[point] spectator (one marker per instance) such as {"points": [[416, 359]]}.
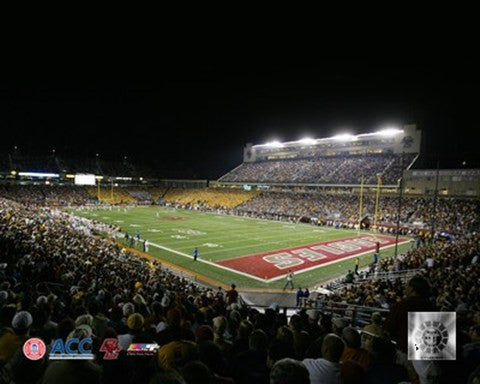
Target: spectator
{"points": [[383, 369], [12, 340], [289, 371], [299, 296], [327, 368], [353, 351], [417, 294], [232, 295]]}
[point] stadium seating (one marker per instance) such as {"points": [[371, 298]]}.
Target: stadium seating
{"points": [[67, 281], [209, 197], [115, 196], [345, 169], [454, 215]]}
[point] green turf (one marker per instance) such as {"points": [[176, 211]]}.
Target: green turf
{"points": [[182, 230]]}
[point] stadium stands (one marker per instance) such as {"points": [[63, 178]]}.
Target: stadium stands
{"points": [[58, 279], [45, 195], [208, 198], [454, 215], [115, 196], [324, 170]]}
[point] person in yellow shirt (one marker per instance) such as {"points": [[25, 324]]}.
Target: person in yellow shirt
{"points": [[13, 339], [372, 330]]}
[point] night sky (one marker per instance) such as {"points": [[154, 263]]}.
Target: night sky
{"points": [[192, 120]]}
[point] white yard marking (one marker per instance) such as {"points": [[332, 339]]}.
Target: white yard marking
{"points": [[135, 225], [154, 230], [118, 221], [207, 262], [187, 231], [178, 237], [212, 245]]}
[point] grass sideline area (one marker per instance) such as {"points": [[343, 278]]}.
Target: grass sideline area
{"points": [[174, 233]]}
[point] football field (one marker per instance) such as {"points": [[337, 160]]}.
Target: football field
{"points": [[252, 253]]}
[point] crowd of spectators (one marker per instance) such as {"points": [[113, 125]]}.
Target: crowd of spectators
{"points": [[59, 280], [446, 280], [204, 198], [46, 195], [345, 169], [452, 215]]}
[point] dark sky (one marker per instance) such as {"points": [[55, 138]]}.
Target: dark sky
{"points": [[192, 120]]}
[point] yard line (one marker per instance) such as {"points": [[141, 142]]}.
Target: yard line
{"points": [[281, 239], [239, 239], [242, 235], [207, 262]]}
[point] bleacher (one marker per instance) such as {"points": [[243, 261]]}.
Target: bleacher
{"points": [[209, 197], [338, 160]]}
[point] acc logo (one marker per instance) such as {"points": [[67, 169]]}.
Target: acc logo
{"points": [[34, 349], [111, 349], [72, 349]]}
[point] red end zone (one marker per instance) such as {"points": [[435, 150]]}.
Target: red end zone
{"points": [[276, 263]]}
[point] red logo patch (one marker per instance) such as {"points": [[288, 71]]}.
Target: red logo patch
{"points": [[34, 348], [111, 349]]}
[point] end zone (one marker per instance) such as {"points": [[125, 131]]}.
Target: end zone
{"points": [[274, 265]]}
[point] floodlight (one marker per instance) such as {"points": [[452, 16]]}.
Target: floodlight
{"points": [[274, 144], [307, 141], [38, 174], [344, 137], [389, 132]]}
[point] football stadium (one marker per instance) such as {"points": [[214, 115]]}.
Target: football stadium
{"points": [[334, 259]]}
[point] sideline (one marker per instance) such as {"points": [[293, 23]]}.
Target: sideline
{"points": [[198, 276]]}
